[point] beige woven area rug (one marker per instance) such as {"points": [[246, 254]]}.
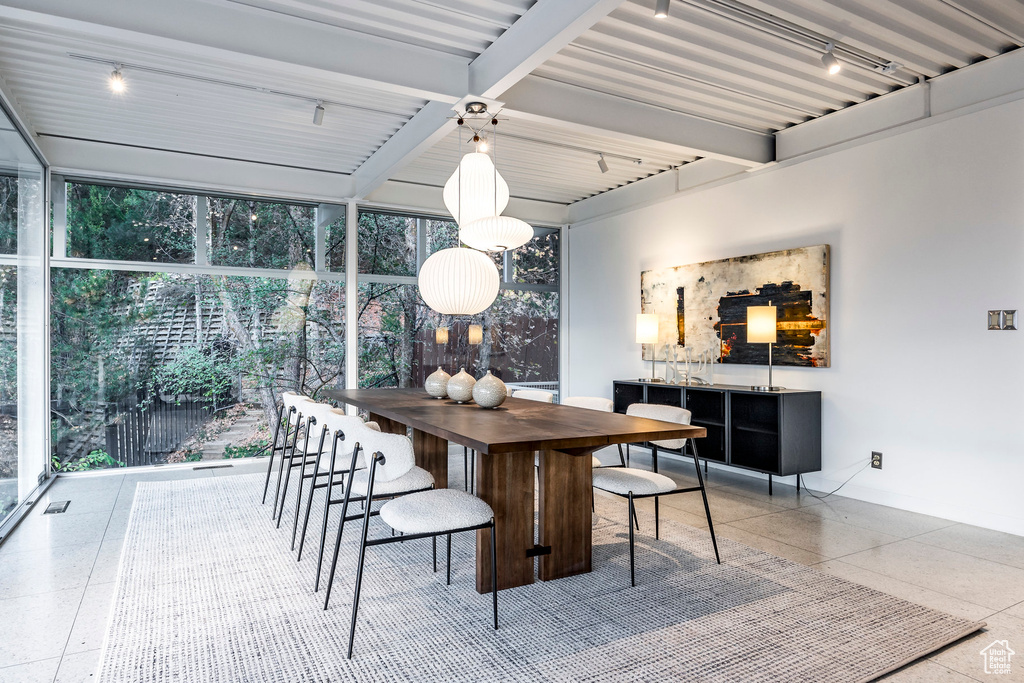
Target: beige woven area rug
{"points": [[208, 591]]}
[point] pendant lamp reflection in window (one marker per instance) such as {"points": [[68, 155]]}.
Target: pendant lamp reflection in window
{"points": [[458, 281], [475, 190]]}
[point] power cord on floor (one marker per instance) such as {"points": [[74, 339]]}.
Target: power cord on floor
{"points": [[800, 478]]}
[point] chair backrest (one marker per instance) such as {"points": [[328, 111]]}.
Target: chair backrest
{"points": [[319, 412], [534, 395], [352, 426], [397, 451], [290, 399], [654, 411], [605, 405]]}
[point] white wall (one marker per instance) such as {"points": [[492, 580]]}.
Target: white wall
{"points": [[927, 234]]}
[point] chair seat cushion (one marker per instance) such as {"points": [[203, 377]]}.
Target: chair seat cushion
{"points": [[594, 462], [415, 479], [435, 511], [622, 480]]}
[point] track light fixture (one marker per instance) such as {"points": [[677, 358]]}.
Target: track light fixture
{"points": [[318, 113], [661, 10], [830, 61], [602, 164], [117, 79]]}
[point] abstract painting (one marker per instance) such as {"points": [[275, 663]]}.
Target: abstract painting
{"points": [[704, 306]]}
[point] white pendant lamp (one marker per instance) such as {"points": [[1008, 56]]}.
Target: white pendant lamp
{"points": [[458, 281], [475, 190], [496, 233]]}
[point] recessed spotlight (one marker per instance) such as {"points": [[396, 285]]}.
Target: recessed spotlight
{"points": [[602, 164], [830, 61], [318, 113], [661, 10], [117, 80]]}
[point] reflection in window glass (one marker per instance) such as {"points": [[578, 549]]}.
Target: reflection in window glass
{"points": [[255, 234], [8, 385], [536, 262], [397, 342], [334, 245], [150, 368], [8, 214], [129, 224], [387, 244], [441, 235]]}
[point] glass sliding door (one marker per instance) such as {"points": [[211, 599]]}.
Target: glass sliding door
{"points": [[23, 436]]}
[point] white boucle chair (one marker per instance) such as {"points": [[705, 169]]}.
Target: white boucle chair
{"points": [[604, 405], [294, 408], [633, 483], [411, 479], [534, 395], [428, 514], [338, 435]]}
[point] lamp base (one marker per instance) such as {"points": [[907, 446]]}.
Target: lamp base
{"points": [[652, 380], [766, 388]]}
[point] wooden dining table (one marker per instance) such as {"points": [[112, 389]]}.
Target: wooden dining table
{"points": [[508, 439]]}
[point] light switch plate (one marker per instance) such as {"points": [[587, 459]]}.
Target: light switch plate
{"points": [[995, 320], [1009, 320]]}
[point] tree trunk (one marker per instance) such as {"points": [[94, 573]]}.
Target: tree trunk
{"points": [[250, 345]]}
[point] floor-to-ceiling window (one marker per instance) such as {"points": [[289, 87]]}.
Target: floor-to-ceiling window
{"points": [[22, 318], [398, 341], [177, 319]]}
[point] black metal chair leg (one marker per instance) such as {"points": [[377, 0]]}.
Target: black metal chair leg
{"points": [[327, 510], [449, 560], [287, 475], [359, 575], [636, 521], [622, 460], [627, 455], [494, 575], [465, 466], [341, 522], [472, 472], [285, 457], [433, 540], [273, 447], [704, 495], [312, 492], [656, 518], [632, 570]]}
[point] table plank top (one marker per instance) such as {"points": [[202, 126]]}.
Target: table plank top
{"points": [[515, 426]]}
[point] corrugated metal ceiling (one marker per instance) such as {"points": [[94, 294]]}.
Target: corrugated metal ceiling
{"points": [[758, 64], [461, 27], [220, 112], [547, 163]]}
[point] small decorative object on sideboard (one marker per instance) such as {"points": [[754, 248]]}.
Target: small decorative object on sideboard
{"points": [[647, 333], [460, 387], [489, 392], [437, 383]]}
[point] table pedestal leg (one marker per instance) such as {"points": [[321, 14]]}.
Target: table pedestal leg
{"points": [[387, 425], [565, 515], [432, 455], [505, 482]]}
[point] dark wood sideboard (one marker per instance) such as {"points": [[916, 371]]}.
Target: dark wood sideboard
{"points": [[777, 433]]}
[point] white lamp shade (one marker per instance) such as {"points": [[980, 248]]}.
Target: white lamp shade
{"points": [[458, 281], [470, 192], [441, 335], [762, 325], [646, 328], [476, 334], [496, 233]]}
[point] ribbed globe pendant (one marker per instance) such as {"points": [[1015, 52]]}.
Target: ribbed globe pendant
{"points": [[470, 192], [496, 233], [458, 281]]}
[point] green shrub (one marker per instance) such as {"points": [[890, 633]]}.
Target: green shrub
{"points": [[95, 460], [247, 451], [193, 456]]}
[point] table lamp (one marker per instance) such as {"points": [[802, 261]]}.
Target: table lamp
{"points": [[476, 334], [647, 333], [762, 328], [441, 335]]}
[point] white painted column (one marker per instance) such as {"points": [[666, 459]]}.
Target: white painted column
{"points": [[351, 298], [202, 223], [59, 196]]}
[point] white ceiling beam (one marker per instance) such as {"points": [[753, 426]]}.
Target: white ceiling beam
{"points": [[542, 31], [536, 37], [585, 111], [254, 39]]}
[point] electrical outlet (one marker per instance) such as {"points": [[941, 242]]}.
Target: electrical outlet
{"points": [[876, 460]]}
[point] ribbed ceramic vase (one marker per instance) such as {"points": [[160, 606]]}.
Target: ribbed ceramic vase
{"points": [[437, 383], [460, 387], [489, 392]]}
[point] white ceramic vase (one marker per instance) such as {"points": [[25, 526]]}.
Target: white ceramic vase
{"points": [[460, 387], [489, 392], [437, 383]]}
